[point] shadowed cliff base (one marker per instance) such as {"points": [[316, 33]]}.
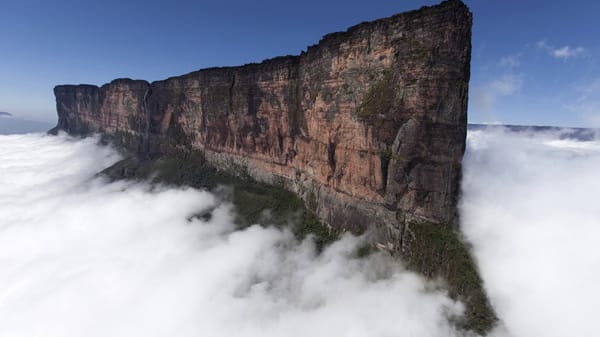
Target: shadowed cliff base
{"points": [[364, 132]]}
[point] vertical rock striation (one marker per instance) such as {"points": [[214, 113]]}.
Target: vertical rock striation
{"points": [[368, 126]]}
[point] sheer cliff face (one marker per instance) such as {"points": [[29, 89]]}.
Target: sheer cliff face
{"points": [[368, 126]]}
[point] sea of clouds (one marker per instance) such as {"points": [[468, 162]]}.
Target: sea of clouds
{"points": [[531, 208], [83, 257]]}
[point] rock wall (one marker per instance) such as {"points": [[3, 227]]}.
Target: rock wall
{"points": [[368, 126]]}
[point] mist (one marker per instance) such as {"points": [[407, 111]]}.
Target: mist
{"points": [[80, 256], [530, 208], [83, 257]]}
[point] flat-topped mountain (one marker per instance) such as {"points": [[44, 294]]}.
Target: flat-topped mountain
{"points": [[367, 127]]}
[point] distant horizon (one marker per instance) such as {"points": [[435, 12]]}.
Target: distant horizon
{"points": [[52, 123], [17, 125]]}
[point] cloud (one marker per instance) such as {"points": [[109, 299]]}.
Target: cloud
{"points": [[483, 100], [510, 61], [587, 103], [5, 114], [567, 52], [484, 96], [564, 52], [543, 44], [507, 84], [82, 257], [530, 209]]}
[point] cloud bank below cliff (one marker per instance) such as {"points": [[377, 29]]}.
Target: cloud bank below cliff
{"points": [[530, 207], [81, 257]]}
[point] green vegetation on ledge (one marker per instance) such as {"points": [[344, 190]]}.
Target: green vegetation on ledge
{"points": [[378, 100], [438, 250], [254, 202]]}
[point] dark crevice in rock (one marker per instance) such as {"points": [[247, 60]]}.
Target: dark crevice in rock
{"points": [[230, 100], [280, 141], [147, 115], [331, 158], [385, 157]]}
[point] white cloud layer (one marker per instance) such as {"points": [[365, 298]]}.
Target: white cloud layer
{"points": [[530, 207], [80, 257]]}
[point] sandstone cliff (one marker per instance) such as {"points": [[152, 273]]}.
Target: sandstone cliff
{"points": [[368, 126]]}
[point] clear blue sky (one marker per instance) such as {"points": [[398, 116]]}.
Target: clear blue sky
{"points": [[534, 61]]}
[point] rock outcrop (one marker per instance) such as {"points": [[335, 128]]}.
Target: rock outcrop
{"points": [[368, 127]]}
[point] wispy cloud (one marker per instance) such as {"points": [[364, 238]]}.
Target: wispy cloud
{"points": [[543, 44], [483, 100], [587, 103], [567, 52], [564, 52], [485, 96], [510, 61], [507, 84]]}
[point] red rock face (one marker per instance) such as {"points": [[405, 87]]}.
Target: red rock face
{"points": [[368, 126]]}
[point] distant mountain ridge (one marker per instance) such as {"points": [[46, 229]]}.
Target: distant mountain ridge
{"points": [[581, 134], [10, 125]]}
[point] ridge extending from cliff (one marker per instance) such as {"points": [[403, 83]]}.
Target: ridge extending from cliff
{"points": [[367, 127]]}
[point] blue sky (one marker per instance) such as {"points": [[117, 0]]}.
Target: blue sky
{"points": [[534, 62]]}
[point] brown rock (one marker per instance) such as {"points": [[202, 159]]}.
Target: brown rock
{"points": [[369, 124], [368, 127]]}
